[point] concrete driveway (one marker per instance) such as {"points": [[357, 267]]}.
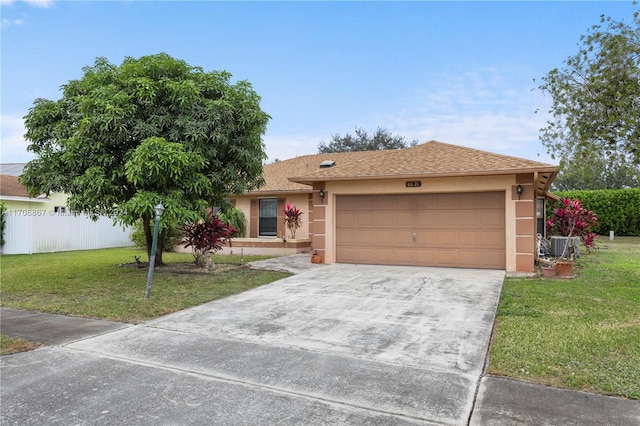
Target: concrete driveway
{"points": [[338, 344]]}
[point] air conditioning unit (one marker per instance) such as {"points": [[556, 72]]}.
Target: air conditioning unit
{"points": [[558, 244]]}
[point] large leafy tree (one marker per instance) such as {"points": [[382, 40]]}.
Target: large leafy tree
{"points": [[151, 130], [362, 141], [596, 94], [594, 170]]}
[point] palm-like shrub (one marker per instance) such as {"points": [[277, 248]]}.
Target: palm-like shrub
{"points": [[571, 220], [207, 237], [292, 218]]}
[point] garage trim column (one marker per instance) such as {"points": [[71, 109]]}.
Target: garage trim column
{"points": [[525, 223], [317, 228]]}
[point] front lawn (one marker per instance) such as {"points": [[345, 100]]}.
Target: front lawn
{"points": [[581, 333], [92, 284]]}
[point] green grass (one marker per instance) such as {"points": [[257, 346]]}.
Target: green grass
{"points": [[12, 345], [92, 284], [581, 333]]}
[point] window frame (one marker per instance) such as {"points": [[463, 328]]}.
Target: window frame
{"points": [[268, 222]]}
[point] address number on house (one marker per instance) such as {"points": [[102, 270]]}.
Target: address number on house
{"points": [[413, 184]]}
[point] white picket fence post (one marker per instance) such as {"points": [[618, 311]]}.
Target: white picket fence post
{"points": [[36, 231]]}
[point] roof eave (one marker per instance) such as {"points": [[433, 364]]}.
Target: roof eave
{"points": [[308, 180], [276, 192], [27, 199]]}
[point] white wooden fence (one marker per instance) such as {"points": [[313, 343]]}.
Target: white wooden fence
{"points": [[38, 231]]}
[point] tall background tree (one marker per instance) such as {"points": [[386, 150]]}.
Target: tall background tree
{"points": [[594, 170], [155, 129], [596, 100], [381, 139]]}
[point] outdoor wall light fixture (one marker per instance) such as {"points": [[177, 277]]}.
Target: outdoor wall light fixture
{"points": [[519, 191], [322, 194]]}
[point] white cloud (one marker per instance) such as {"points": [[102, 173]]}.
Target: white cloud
{"points": [[490, 110], [11, 22], [43, 4], [14, 147]]}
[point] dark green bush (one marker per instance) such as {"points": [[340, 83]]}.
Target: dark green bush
{"points": [[618, 210], [234, 217], [172, 237]]}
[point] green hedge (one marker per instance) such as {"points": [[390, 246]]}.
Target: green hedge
{"points": [[618, 210]]}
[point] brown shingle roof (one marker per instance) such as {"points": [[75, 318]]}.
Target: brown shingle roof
{"points": [[10, 187], [276, 175], [431, 159]]}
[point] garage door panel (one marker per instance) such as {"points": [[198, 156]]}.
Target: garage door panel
{"points": [[383, 236], [446, 201], [425, 218], [469, 219], [470, 258], [402, 237], [493, 259], [401, 202], [492, 239], [470, 238], [425, 238], [366, 219], [402, 219], [425, 257], [404, 256], [346, 237], [446, 257], [491, 200], [446, 218], [346, 218], [493, 218], [446, 238], [383, 217], [365, 237], [456, 230]]}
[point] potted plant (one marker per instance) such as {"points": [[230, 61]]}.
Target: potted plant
{"points": [[292, 218], [573, 221], [549, 270]]}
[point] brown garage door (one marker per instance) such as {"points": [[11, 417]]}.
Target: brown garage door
{"points": [[453, 229]]}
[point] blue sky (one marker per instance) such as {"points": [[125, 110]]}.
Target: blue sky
{"points": [[457, 72]]}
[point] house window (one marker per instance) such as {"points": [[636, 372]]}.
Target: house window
{"points": [[268, 220], [59, 209]]}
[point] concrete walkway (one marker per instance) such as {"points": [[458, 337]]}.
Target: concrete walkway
{"points": [[336, 344]]}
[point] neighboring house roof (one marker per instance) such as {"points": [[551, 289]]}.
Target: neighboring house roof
{"points": [[12, 169], [9, 186], [430, 159], [276, 175], [11, 189]]}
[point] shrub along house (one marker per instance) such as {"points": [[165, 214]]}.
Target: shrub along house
{"points": [[433, 204]]}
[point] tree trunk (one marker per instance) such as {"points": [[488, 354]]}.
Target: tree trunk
{"points": [[159, 247], [148, 226], [148, 235]]}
